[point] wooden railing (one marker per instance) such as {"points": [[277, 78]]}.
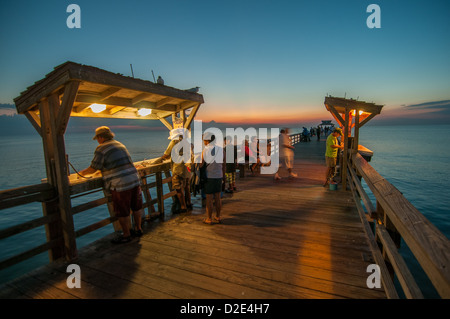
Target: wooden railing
{"points": [[394, 218], [151, 177]]}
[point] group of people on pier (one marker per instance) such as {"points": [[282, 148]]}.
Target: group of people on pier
{"points": [[213, 176]]}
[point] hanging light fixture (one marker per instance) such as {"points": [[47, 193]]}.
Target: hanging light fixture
{"points": [[97, 108], [144, 112]]}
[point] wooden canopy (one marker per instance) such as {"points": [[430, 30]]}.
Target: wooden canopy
{"points": [[70, 90], [339, 107], [79, 86]]}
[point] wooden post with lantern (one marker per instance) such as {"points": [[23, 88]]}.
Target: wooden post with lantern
{"points": [[351, 114]]}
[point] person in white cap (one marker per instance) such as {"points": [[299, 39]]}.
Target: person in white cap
{"points": [[120, 177], [180, 173]]}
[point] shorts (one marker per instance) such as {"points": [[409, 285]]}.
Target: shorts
{"points": [[287, 162], [127, 200], [331, 161], [213, 185], [178, 182]]}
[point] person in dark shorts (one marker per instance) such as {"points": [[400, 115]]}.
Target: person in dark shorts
{"points": [[213, 157], [120, 177]]}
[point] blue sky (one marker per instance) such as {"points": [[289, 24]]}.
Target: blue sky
{"points": [[254, 60]]}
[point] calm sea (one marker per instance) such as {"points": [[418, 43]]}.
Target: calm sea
{"points": [[413, 158]]}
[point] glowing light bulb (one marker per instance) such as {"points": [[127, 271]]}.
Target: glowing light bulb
{"points": [[144, 112], [97, 108]]}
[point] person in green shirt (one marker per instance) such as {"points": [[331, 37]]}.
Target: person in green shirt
{"points": [[331, 153]]}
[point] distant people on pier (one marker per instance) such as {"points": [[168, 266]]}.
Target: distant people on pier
{"points": [[306, 136], [180, 173], [120, 177], [213, 159], [230, 166], [286, 154], [318, 133], [254, 157], [331, 153]]}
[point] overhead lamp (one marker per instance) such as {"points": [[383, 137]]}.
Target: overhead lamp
{"points": [[97, 108], [354, 112], [144, 112]]}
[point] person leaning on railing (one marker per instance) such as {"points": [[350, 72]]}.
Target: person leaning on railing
{"points": [[121, 178], [331, 153]]}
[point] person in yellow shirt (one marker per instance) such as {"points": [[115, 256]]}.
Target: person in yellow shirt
{"points": [[331, 153]]}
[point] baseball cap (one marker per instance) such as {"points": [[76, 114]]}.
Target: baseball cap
{"points": [[338, 130], [104, 131]]}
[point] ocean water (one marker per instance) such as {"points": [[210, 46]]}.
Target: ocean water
{"points": [[415, 159]]}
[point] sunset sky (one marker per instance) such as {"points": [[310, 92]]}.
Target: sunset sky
{"points": [[254, 61]]}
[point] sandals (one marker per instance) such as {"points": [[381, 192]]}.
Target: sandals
{"points": [[207, 221], [210, 222], [121, 240]]}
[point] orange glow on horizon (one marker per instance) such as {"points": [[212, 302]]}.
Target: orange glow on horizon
{"points": [[266, 116]]}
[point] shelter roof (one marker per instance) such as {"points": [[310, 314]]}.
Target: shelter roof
{"points": [[122, 95], [340, 104]]}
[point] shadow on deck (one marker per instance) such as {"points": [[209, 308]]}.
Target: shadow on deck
{"points": [[279, 239]]}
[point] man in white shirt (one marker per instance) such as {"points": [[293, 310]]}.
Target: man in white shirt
{"points": [[286, 154]]}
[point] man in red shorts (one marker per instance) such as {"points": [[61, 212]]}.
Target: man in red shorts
{"points": [[121, 178]]}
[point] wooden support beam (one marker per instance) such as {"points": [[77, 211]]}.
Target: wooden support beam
{"points": [[34, 120], [165, 122], [367, 119], [183, 116], [164, 101], [139, 98], [191, 116], [108, 92], [356, 137], [53, 230], [70, 94], [345, 153], [336, 115], [116, 109], [62, 182]]}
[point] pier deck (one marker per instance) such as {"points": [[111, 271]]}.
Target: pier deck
{"points": [[279, 239]]}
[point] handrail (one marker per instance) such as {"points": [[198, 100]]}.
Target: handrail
{"points": [[395, 216], [80, 187]]}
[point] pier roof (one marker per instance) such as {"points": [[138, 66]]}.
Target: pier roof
{"points": [[123, 96]]}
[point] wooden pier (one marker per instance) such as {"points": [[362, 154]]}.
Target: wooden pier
{"points": [[279, 239]]}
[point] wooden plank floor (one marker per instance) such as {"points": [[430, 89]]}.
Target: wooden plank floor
{"points": [[286, 239]]}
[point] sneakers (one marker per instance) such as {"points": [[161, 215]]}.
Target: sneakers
{"points": [[121, 240], [136, 233], [277, 177], [293, 175]]}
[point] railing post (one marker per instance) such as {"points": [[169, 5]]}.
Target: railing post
{"points": [[382, 219], [160, 194]]}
